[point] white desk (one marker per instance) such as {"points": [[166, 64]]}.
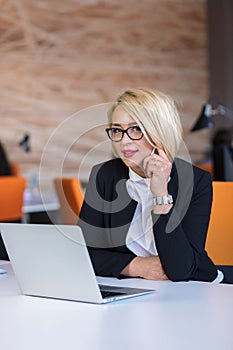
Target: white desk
{"points": [[182, 316]]}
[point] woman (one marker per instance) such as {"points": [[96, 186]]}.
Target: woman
{"points": [[146, 213], [222, 155], [5, 167]]}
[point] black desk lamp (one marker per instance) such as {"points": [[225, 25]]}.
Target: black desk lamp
{"points": [[205, 118], [25, 143], [220, 153]]}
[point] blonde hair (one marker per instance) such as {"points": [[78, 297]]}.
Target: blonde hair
{"points": [[157, 116]]}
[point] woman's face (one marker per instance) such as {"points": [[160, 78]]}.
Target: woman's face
{"points": [[132, 152]]}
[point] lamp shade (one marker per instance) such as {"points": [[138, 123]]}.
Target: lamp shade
{"points": [[204, 120], [25, 143]]}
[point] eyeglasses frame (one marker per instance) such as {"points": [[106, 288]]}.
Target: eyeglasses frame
{"points": [[123, 131]]}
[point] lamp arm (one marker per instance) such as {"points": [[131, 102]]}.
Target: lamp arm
{"points": [[223, 111]]}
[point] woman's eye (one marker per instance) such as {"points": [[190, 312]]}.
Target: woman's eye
{"points": [[116, 131], [136, 128]]}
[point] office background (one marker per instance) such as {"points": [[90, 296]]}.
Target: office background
{"points": [[59, 58]]}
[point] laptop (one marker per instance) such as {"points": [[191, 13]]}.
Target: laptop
{"points": [[52, 261]]}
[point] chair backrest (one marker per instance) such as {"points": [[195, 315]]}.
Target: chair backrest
{"points": [[11, 197], [219, 243], [70, 196]]}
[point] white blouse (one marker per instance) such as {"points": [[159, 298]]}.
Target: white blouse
{"points": [[140, 236]]}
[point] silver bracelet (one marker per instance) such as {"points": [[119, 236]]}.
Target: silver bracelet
{"points": [[163, 200]]}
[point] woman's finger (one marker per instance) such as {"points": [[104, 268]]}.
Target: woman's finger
{"points": [[162, 154]]}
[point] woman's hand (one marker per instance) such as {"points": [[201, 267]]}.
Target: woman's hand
{"points": [[149, 268], [158, 168]]}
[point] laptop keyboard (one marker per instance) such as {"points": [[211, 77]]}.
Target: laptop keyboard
{"points": [[105, 292]]}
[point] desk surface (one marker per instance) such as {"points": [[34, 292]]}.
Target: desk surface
{"points": [[179, 316]]}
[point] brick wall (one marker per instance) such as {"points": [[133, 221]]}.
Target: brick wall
{"points": [[62, 57]]}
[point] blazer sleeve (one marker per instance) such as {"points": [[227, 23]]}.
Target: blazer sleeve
{"points": [[180, 237], [96, 221]]}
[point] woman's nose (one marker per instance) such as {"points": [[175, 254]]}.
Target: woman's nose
{"points": [[126, 138]]}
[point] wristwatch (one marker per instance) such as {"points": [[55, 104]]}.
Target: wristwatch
{"points": [[163, 200]]}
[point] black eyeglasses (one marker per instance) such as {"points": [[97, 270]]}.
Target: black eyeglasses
{"points": [[116, 134]]}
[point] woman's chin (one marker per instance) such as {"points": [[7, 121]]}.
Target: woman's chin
{"points": [[134, 166]]}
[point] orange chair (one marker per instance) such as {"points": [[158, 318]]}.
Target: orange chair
{"points": [[11, 198], [219, 243], [70, 196], [11, 204]]}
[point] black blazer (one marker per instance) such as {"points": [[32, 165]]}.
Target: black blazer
{"points": [[180, 235]]}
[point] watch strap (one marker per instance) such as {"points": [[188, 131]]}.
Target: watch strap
{"points": [[163, 200]]}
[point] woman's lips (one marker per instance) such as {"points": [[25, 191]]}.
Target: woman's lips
{"points": [[129, 153]]}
